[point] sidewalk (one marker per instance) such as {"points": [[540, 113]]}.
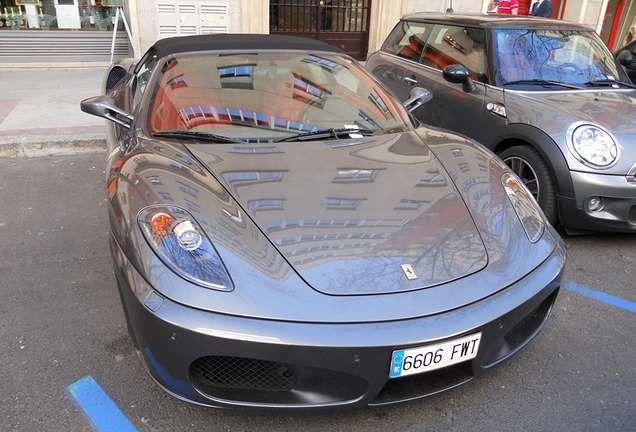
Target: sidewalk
{"points": [[40, 112]]}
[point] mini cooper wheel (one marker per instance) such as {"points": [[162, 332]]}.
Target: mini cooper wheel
{"points": [[530, 167]]}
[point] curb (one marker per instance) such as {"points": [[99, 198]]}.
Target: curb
{"points": [[34, 146]]}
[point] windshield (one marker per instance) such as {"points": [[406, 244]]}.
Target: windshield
{"points": [[270, 96], [566, 56]]}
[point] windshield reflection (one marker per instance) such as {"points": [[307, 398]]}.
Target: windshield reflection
{"points": [[571, 57], [260, 97]]}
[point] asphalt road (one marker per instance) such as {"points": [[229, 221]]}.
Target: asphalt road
{"points": [[61, 321]]}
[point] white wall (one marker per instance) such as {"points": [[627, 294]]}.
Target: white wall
{"points": [[586, 12], [146, 19]]}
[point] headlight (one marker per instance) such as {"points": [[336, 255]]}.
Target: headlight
{"points": [[592, 145], [525, 206], [180, 242]]}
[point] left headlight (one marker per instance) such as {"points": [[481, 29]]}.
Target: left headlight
{"points": [[592, 145], [525, 206], [180, 242]]}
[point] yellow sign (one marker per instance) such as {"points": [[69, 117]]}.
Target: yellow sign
{"points": [[408, 271]]}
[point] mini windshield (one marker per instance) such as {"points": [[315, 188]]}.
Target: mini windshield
{"points": [[557, 56], [270, 96]]}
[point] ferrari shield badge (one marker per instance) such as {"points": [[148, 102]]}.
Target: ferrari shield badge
{"points": [[408, 271]]}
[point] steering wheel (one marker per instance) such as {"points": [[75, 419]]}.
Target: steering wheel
{"points": [[568, 69]]}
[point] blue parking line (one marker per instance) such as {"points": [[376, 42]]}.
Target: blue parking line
{"points": [[99, 409], [605, 298]]}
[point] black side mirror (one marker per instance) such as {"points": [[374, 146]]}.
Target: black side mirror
{"points": [[417, 97], [625, 57], [104, 106], [459, 74]]}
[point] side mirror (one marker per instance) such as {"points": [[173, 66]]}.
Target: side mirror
{"points": [[104, 106], [418, 97], [459, 74], [625, 57]]}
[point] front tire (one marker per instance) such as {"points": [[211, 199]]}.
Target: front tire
{"points": [[530, 167]]}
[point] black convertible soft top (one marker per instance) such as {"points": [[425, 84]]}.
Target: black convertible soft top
{"points": [[235, 42]]}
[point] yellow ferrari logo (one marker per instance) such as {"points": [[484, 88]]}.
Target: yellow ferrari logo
{"points": [[408, 271]]}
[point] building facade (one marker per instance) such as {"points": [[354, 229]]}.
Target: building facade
{"points": [[70, 32], [90, 32]]}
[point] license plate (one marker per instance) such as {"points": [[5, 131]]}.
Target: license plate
{"points": [[423, 359]]}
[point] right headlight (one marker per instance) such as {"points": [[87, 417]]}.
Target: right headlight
{"points": [[525, 206], [180, 242], [592, 145]]}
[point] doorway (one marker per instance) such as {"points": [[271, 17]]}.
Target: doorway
{"points": [[341, 23]]}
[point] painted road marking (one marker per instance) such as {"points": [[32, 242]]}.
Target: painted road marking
{"points": [[605, 298], [100, 411]]}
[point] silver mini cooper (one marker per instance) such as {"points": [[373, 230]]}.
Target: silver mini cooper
{"points": [[547, 96]]}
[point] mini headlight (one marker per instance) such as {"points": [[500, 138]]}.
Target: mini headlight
{"points": [[525, 206], [180, 242], [593, 145]]}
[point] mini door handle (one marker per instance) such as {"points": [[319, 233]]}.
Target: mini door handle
{"points": [[410, 80]]}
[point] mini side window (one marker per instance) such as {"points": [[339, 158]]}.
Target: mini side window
{"points": [[448, 45], [407, 40]]}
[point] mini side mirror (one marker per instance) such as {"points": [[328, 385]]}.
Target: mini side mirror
{"points": [[459, 74], [104, 106], [417, 97], [625, 57]]}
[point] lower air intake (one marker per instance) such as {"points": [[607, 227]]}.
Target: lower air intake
{"points": [[114, 76], [241, 373]]}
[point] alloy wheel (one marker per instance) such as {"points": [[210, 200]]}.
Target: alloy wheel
{"points": [[526, 173]]}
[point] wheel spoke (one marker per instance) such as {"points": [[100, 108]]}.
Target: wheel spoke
{"points": [[526, 173]]}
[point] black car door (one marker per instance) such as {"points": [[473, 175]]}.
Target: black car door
{"points": [[451, 107], [401, 50]]}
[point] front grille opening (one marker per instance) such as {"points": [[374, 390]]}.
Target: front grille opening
{"points": [[241, 373], [421, 385], [245, 380]]}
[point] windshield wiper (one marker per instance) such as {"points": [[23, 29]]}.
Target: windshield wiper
{"points": [[327, 133], [542, 82], [609, 82], [197, 135]]}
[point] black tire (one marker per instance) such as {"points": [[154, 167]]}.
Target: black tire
{"points": [[528, 164]]}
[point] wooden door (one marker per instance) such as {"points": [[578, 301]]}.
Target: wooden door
{"points": [[341, 23]]}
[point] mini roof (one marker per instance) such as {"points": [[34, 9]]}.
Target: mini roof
{"points": [[495, 21], [236, 42]]}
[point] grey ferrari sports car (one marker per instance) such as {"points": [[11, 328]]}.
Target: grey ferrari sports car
{"points": [[286, 235]]}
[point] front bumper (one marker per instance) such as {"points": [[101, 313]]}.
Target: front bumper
{"points": [[617, 213], [233, 362]]}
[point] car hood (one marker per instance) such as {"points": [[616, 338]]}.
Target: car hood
{"points": [[555, 111], [371, 216], [307, 231]]}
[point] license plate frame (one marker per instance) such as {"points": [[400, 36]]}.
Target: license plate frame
{"points": [[411, 361]]}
